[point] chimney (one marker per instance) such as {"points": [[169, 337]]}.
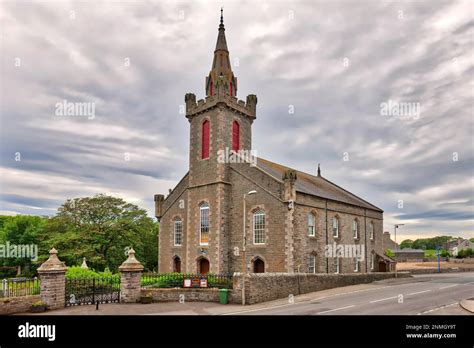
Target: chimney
{"points": [[159, 206]]}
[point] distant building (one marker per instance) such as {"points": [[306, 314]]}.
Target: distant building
{"points": [[409, 255], [461, 245], [388, 243]]}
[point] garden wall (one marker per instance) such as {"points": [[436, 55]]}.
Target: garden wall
{"points": [[190, 295], [19, 304], [262, 287]]}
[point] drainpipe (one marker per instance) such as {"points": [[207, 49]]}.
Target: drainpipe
{"points": [[327, 238]]}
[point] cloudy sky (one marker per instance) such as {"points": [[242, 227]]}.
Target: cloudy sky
{"points": [[334, 62]]}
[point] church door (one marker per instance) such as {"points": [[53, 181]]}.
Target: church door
{"points": [[258, 266], [177, 265], [203, 266]]}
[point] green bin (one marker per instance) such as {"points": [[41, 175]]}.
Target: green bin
{"points": [[223, 296]]}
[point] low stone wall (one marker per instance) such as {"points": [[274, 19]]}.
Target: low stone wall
{"points": [[262, 287], [190, 295], [19, 304]]}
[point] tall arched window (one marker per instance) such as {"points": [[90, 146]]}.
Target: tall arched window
{"points": [[204, 224], [231, 90], [235, 136], [335, 227], [371, 230], [178, 232], [205, 139], [311, 225], [211, 88], [259, 227], [355, 229]]}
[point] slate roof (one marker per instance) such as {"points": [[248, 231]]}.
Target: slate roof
{"points": [[315, 185]]}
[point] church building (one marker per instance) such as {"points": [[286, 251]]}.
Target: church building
{"points": [[228, 215]]}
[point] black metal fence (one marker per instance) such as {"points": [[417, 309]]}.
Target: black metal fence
{"points": [[90, 290], [13, 287], [186, 280]]}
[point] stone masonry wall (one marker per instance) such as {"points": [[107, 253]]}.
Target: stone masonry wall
{"points": [[186, 295], [19, 304], [264, 287]]}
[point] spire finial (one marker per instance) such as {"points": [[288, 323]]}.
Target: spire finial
{"points": [[222, 16], [319, 170]]}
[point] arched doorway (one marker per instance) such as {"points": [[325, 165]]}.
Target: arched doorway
{"points": [[177, 264], [258, 266], [203, 266]]}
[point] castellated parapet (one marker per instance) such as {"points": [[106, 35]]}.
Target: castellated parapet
{"points": [[193, 108]]}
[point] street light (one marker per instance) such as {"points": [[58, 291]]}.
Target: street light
{"points": [[395, 228], [244, 243]]}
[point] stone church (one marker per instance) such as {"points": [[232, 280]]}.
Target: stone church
{"points": [[290, 216]]}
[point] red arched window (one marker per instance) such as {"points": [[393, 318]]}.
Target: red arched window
{"points": [[205, 139], [235, 136], [211, 89], [231, 90]]}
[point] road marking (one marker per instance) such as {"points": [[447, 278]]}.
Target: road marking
{"points": [[384, 299], [337, 309], [419, 292], [449, 286], [346, 293], [437, 308]]}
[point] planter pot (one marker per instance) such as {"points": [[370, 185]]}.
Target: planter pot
{"points": [[146, 300], [38, 309]]}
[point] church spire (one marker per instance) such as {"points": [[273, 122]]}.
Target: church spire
{"points": [[221, 80]]}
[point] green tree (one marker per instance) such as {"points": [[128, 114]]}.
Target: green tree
{"points": [[22, 230], [101, 228], [472, 240], [407, 243]]}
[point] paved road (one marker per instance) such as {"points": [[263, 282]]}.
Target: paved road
{"points": [[424, 295]]}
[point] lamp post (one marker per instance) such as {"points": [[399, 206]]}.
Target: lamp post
{"points": [[395, 229], [244, 243]]}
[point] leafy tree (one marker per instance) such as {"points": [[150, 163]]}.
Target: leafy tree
{"points": [[22, 230], [389, 253], [407, 243], [472, 240], [101, 228]]}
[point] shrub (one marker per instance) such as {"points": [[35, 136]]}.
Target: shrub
{"points": [[78, 272]]}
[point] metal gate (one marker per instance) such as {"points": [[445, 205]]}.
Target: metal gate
{"points": [[82, 291]]}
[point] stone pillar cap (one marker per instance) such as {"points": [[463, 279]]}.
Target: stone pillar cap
{"points": [[131, 263], [52, 264]]}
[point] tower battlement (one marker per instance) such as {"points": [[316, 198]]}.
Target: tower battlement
{"points": [[194, 107]]}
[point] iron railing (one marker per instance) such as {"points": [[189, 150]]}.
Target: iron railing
{"points": [[181, 280], [92, 290], [14, 287]]}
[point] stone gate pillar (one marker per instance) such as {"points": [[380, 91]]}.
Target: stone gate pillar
{"points": [[131, 272], [53, 282]]}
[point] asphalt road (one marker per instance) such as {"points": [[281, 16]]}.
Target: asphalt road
{"points": [[423, 295]]}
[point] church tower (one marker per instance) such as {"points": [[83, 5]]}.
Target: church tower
{"points": [[219, 124]]}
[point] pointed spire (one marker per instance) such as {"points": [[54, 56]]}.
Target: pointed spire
{"points": [[319, 170], [221, 80]]}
